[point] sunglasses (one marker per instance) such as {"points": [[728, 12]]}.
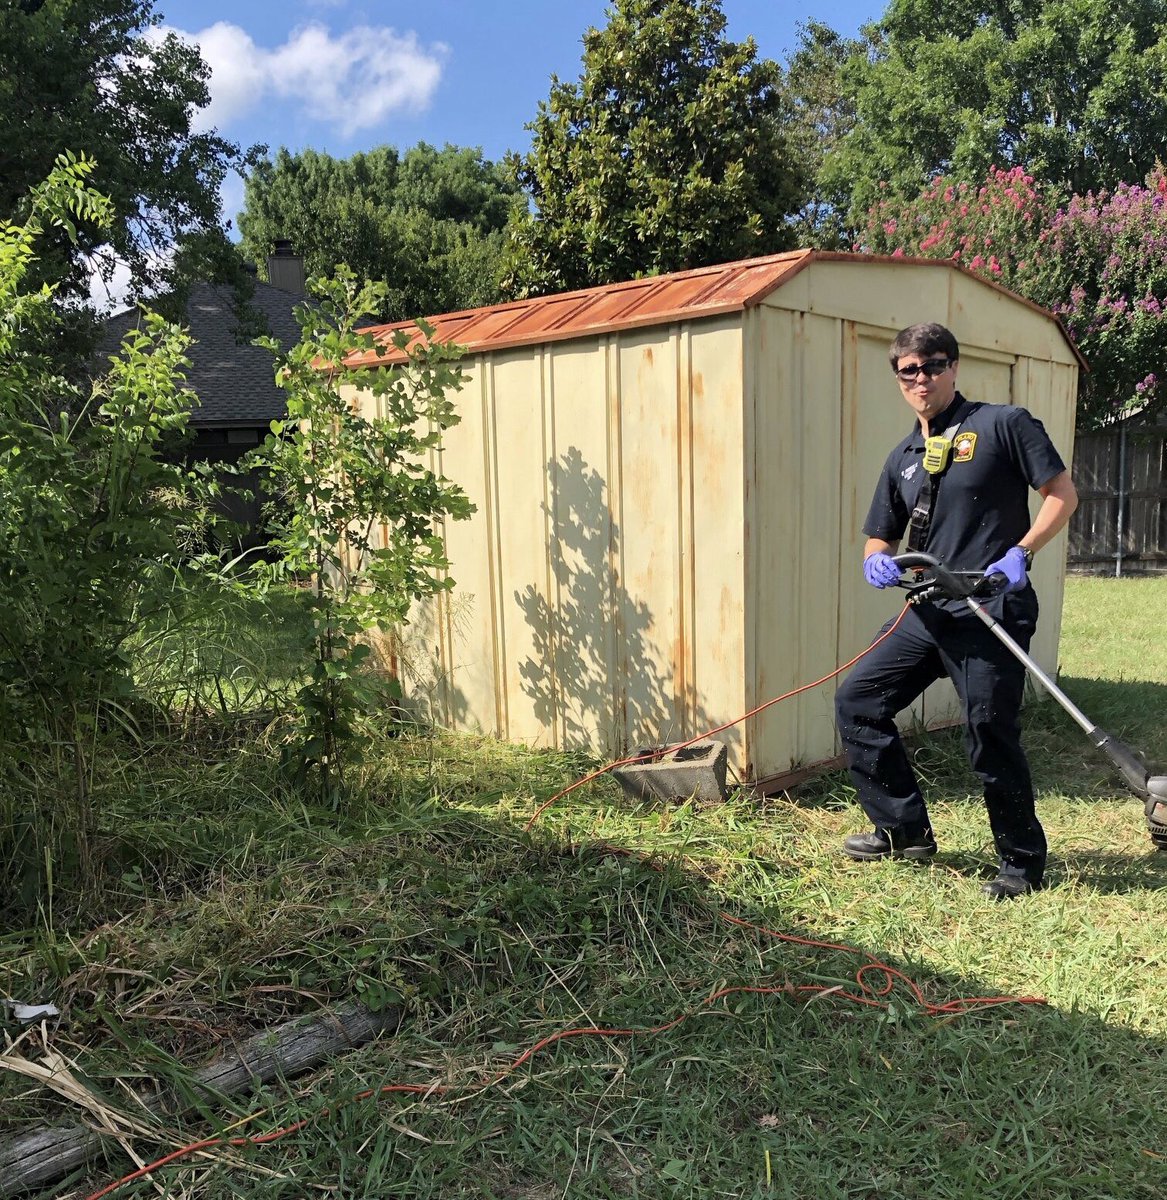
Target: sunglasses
{"points": [[931, 368]]}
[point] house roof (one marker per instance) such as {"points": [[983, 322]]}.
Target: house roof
{"points": [[234, 380], [684, 295]]}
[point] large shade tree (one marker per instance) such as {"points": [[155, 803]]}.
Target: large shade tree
{"points": [[671, 151], [98, 77], [1074, 91], [823, 114], [427, 222]]}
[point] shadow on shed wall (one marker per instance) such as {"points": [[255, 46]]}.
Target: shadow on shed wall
{"points": [[595, 673]]}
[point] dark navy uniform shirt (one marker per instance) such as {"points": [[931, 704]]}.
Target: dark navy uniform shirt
{"points": [[981, 505]]}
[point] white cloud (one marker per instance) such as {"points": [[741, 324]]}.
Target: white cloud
{"points": [[352, 81]]}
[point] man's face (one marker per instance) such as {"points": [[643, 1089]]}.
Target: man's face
{"points": [[927, 394]]}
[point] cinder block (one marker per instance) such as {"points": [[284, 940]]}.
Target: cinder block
{"points": [[695, 772]]}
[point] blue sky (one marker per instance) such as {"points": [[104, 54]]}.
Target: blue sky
{"points": [[347, 75]]}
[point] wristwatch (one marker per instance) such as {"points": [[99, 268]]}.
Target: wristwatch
{"points": [[1028, 556]]}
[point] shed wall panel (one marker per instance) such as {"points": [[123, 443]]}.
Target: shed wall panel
{"points": [[519, 458], [818, 422], [467, 688], [773, 378], [798, 418], [649, 608], [714, 558], [678, 537], [582, 531]]}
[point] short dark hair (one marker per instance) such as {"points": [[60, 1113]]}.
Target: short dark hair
{"points": [[923, 339]]}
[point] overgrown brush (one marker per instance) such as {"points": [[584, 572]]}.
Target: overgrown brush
{"points": [[116, 635], [92, 515]]}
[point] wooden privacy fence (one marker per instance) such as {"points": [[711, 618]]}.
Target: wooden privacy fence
{"points": [[1120, 527]]}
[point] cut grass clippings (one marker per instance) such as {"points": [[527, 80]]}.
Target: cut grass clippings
{"points": [[237, 905]]}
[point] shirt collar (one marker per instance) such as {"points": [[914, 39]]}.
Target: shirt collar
{"points": [[940, 422]]}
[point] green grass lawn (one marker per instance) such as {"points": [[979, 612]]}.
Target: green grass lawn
{"points": [[237, 904]]}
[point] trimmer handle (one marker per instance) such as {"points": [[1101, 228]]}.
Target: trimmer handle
{"points": [[932, 580]]}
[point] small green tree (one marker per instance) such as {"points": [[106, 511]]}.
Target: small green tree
{"points": [[671, 152], [358, 501]]}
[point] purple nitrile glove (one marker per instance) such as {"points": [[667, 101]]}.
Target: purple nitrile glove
{"points": [[880, 570], [1012, 566]]}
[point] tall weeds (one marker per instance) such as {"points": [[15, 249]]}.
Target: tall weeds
{"points": [[92, 515]]}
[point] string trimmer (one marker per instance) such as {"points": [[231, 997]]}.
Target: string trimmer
{"points": [[930, 579]]}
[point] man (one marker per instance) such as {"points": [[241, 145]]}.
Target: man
{"points": [[966, 502]]}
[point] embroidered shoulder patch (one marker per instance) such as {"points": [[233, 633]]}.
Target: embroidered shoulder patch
{"points": [[964, 447]]}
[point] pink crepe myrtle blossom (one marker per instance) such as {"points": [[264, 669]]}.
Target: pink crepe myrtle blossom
{"points": [[1098, 260]]}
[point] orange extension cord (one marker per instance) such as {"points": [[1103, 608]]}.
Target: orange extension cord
{"points": [[869, 993]]}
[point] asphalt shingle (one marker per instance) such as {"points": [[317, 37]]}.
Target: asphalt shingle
{"points": [[234, 380]]}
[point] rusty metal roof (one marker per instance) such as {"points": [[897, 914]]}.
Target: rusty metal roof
{"points": [[682, 296], [704, 292]]}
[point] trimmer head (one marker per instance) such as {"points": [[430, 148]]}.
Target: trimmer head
{"points": [[1156, 810], [1151, 789]]}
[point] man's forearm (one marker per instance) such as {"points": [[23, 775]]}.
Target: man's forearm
{"points": [[878, 546]]}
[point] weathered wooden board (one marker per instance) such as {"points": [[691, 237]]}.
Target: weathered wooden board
{"points": [[35, 1159]]}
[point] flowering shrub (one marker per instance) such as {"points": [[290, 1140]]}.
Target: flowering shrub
{"points": [[1104, 269], [992, 228], [1099, 262]]}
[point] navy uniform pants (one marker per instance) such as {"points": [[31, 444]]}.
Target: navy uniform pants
{"points": [[933, 641]]}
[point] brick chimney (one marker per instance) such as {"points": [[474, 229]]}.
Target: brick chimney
{"points": [[285, 268]]}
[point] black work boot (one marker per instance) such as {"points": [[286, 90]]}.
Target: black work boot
{"points": [[1009, 887], [889, 843]]}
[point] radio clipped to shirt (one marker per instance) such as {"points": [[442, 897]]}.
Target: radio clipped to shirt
{"points": [[937, 456], [937, 453]]}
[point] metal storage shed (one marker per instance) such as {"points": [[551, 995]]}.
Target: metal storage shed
{"points": [[670, 476]]}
